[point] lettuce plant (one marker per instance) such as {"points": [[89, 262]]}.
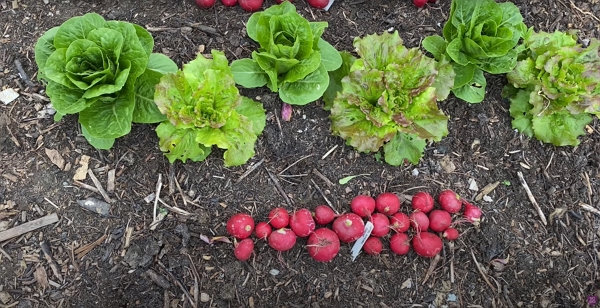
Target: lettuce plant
{"points": [[479, 36], [555, 88], [292, 60], [389, 99], [105, 72], [204, 108]]}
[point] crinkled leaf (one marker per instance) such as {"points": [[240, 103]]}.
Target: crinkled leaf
{"points": [[255, 112], [98, 143], [306, 90], [377, 51], [77, 28], [520, 110], [65, 100], [180, 143], [44, 47], [560, 128], [109, 119], [404, 147]]}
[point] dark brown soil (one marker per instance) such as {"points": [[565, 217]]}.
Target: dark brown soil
{"points": [[523, 263]]}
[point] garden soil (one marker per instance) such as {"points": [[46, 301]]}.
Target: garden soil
{"points": [[122, 259]]}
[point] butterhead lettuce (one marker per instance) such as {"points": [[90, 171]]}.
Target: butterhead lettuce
{"points": [[389, 99], [204, 109], [104, 71]]}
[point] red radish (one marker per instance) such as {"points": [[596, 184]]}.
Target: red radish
{"points": [[400, 222], [279, 218], [381, 225], [387, 203], [400, 243], [324, 214], [419, 3], [472, 213], [439, 220], [419, 221], [240, 226], [422, 201], [251, 5], [349, 227], [205, 4], [244, 249], [318, 4], [373, 246], [451, 234], [282, 239], [363, 205], [262, 230], [229, 2], [323, 245], [450, 201], [302, 222], [427, 244]]}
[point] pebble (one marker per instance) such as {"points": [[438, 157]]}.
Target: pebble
{"points": [[274, 272], [204, 297]]}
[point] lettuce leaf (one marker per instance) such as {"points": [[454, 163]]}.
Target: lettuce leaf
{"points": [[555, 87], [204, 108], [389, 98]]}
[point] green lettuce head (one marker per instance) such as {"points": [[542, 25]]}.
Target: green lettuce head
{"points": [[389, 99], [555, 87], [91, 67]]}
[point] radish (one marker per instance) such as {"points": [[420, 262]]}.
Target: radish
{"points": [[450, 201], [400, 243], [302, 222], [400, 222], [323, 245], [451, 234], [324, 214], [387, 203], [472, 213], [251, 5], [439, 220], [279, 218], [373, 246], [381, 225], [244, 249], [419, 221], [229, 2], [262, 230], [427, 244], [422, 201], [419, 3], [240, 226], [205, 4], [282, 239], [349, 227], [363, 205], [318, 4]]}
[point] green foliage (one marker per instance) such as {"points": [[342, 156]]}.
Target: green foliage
{"points": [[555, 87], [292, 60], [204, 108], [479, 36], [390, 97], [105, 72]]}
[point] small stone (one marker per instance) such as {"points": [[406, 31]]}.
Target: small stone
{"points": [[473, 185], [274, 272], [204, 297], [5, 297]]}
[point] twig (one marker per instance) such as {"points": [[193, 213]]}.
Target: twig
{"points": [[432, 266], [157, 195], [86, 186], [85, 249], [99, 186], [531, 198], [584, 12], [329, 152], [174, 208], [252, 168], [204, 28], [52, 203], [323, 195], [279, 189], [28, 226], [183, 289], [196, 278], [48, 255], [23, 75], [481, 271], [5, 254], [589, 208], [181, 193], [323, 177], [299, 160]]}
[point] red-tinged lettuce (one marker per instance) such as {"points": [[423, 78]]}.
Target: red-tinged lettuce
{"points": [[389, 99], [204, 109], [555, 88]]}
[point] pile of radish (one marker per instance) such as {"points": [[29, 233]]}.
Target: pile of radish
{"points": [[255, 5], [422, 229]]}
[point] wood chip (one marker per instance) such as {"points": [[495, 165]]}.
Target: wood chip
{"points": [[487, 190], [110, 183], [55, 158], [81, 172], [29, 226]]}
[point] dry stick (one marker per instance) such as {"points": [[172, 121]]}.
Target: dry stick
{"points": [[156, 197], [196, 278], [85, 249], [584, 12], [181, 193], [28, 226], [329, 152], [99, 186], [174, 208], [252, 168], [5, 254], [86, 186], [589, 208], [299, 160], [531, 198], [23, 75], [48, 255], [323, 195], [323, 177], [204, 28], [184, 289], [279, 189], [432, 266], [481, 271]]}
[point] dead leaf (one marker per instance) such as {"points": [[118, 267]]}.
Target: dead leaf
{"points": [[41, 277], [447, 164], [81, 172], [407, 284], [55, 158]]}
